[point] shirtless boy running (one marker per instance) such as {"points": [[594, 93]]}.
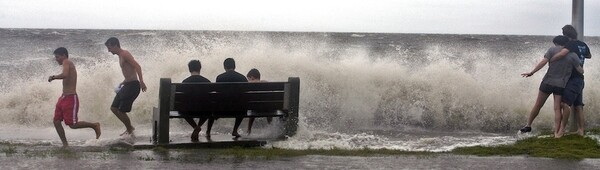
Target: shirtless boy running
{"points": [[130, 87], [67, 106]]}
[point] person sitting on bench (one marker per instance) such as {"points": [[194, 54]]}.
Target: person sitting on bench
{"points": [[194, 66], [254, 76], [231, 75]]}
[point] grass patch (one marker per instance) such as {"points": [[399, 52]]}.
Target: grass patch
{"points": [[9, 150], [567, 147], [146, 158]]}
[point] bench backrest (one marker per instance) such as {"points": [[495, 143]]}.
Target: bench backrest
{"points": [[227, 98]]}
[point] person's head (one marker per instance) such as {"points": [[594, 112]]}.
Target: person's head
{"points": [[60, 54], [113, 45], [194, 66], [569, 31], [560, 40], [229, 64], [253, 75]]}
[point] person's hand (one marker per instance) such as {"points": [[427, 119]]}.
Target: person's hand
{"points": [[50, 78], [143, 86], [529, 74]]}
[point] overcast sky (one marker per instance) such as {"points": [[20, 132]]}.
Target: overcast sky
{"points": [[526, 17]]}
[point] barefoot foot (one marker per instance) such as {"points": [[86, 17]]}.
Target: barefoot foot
{"points": [[580, 132], [97, 130], [236, 135], [127, 132], [559, 134], [195, 134]]}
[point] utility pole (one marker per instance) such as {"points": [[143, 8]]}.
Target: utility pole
{"points": [[577, 22], [577, 18]]}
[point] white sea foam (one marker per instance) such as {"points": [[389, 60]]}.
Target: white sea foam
{"points": [[326, 140]]}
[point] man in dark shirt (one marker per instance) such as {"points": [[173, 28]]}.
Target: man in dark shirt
{"points": [[573, 93], [194, 66], [231, 75]]}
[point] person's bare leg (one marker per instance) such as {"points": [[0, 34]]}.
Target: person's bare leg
{"points": [[238, 121], [539, 102], [125, 119], [61, 133], [557, 116], [84, 124], [198, 128], [191, 122], [209, 127], [580, 117], [565, 119], [250, 122], [195, 133]]}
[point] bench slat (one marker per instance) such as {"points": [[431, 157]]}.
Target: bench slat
{"points": [[211, 96], [259, 86], [265, 105], [226, 107], [277, 113]]}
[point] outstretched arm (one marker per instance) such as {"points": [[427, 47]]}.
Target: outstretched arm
{"points": [[536, 68]]}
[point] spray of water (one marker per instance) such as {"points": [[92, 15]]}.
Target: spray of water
{"points": [[348, 85]]}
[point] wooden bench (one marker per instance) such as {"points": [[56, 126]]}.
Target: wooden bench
{"points": [[225, 100]]}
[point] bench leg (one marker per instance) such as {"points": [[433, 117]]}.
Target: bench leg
{"points": [[155, 118], [160, 127], [291, 119], [163, 129]]}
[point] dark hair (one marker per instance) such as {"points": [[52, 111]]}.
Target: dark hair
{"points": [[229, 63], [569, 31], [61, 51], [194, 66], [560, 40], [254, 73], [112, 41]]}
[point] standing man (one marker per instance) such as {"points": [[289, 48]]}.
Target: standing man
{"points": [[67, 106], [231, 75], [576, 82], [130, 87]]}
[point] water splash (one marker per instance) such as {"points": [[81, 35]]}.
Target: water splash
{"points": [[348, 84]]}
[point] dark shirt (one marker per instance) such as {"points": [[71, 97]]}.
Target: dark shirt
{"points": [[579, 48], [582, 50], [191, 92], [231, 76], [195, 78], [192, 79]]}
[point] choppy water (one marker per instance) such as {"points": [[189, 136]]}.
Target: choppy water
{"points": [[416, 92]]}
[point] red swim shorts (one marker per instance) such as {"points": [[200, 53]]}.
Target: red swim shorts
{"points": [[67, 108]]}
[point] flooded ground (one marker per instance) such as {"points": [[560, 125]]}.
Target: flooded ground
{"points": [[40, 148], [113, 158]]}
